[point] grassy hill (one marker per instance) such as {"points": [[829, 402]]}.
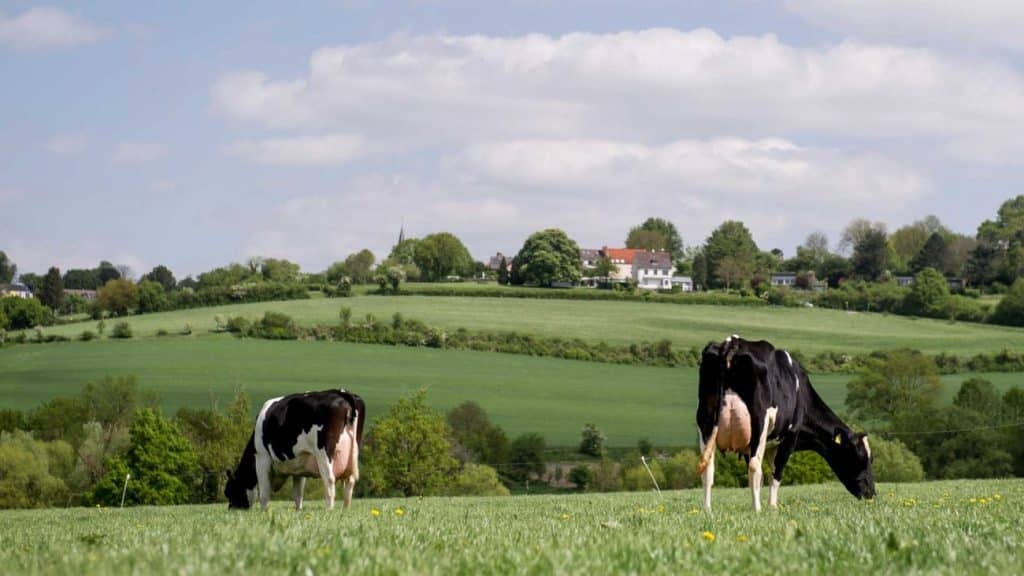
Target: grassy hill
{"points": [[522, 393], [804, 329], [962, 527]]}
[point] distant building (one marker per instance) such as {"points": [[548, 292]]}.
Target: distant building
{"points": [[494, 262], [16, 290], [955, 284], [652, 270], [685, 283], [784, 279], [904, 281], [89, 295]]}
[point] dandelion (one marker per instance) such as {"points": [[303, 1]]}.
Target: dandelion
{"points": [[997, 497], [693, 512], [375, 512], [741, 538], [662, 507], [399, 512], [565, 516], [708, 536]]}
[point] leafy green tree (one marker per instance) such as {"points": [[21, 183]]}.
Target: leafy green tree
{"points": [[732, 272], [892, 461], [51, 292], [503, 276], [163, 465], [604, 268], [218, 438], [482, 439], [118, 297], [162, 275], [834, 269], [870, 255], [592, 440], [441, 255], [547, 257], [279, 270], [526, 457], [151, 297], [679, 470], [656, 234], [359, 266], [581, 475], [405, 251], [1000, 252], [81, 279], [699, 269], [1010, 310], [730, 240], [107, 272], [8, 269], [892, 385], [934, 254], [408, 451], [928, 296], [855, 233], [32, 471], [23, 313], [477, 480]]}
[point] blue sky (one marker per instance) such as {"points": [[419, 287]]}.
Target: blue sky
{"points": [[195, 134]]}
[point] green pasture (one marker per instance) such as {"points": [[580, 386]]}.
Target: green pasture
{"points": [[522, 393], [806, 329], [953, 527]]}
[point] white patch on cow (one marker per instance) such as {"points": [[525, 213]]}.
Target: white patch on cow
{"points": [[258, 430], [867, 447], [708, 476], [754, 467], [773, 494], [303, 464], [788, 357]]}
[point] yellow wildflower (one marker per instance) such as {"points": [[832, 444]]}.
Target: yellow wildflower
{"points": [[709, 536], [565, 516], [741, 538], [399, 512], [375, 512]]}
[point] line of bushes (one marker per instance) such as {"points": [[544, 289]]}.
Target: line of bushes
{"points": [[401, 331]]}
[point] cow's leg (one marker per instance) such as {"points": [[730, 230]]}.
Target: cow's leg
{"points": [[786, 448], [263, 478], [327, 475], [708, 476], [353, 473], [759, 428], [346, 491], [298, 488]]}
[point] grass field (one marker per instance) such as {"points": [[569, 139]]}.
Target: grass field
{"points": [[521, 393], [960, 527], [807, 330]]}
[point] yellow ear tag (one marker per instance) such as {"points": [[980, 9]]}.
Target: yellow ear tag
{"points": [[839, 439]]}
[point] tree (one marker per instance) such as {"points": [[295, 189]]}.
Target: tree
{"points": [[856, 231], [279, 270], [592, 441], [893, 385], [934, 254], [929, 295], [473, 430], [910, 239], [30, 280], [118, 297], [389, 278], [32, 472], [892, 461], [732, 272], [441, 255], [503, 271], [106, 272], [526, 457], [163, 466], [604, 268], [405, 251], [80, 279], [730, 240], [8, 269], [359, 266], [1002, 242], [162, 276], [51, 293], [218, 438], [408, 451], [23, 312], [477, 480], [547, 257], [870, 255], [656, 234], [151, 297], [1010, 310]]}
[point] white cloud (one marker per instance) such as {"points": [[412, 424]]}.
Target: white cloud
{"points": [[647, 86], [47, 27], [138, 151], [494, 195], [982, 23], [66, 144], [300, 151]]}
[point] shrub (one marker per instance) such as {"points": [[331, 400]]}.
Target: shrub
{"points": [[526, 456], [87, 335], [162, 332], [32, 472], [1010, 310], [237, 325], [24, 313], [803, 468], [892, 461], [928, 296], [681, 470], [477, 480], [605, 477], [581, 475], [276, 326], [121, 330], [592, 443], [636, 479]]}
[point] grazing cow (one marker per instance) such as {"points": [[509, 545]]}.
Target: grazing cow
{"points": [[750, 393], [300, 435]]}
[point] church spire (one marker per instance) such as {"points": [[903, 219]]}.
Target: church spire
{"points": [[401, 231]]}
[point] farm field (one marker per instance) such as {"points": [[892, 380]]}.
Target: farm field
{"points": [[953, 527], [804, 329], [521, 393]]}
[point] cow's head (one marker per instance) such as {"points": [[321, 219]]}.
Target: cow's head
{"points": [[237, 494], [851, 461]]}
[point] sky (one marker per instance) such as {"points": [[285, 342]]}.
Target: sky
{"points": [[194, 134]]}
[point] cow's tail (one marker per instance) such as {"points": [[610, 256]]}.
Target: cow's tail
{"points": [[360, 417], [709, 451], [727, 352]]}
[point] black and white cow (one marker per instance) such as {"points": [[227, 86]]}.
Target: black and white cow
{"points": [[300, 435], [751, 393]]}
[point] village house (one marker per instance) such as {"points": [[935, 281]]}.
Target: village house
{"points": [[646, 268], [16, 290], [784, 279]]}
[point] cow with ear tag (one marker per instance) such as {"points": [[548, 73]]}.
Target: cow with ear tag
{"points": [[751, 393]]}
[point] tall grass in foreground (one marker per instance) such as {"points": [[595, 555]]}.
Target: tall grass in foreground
{"points": [[960, 527]]}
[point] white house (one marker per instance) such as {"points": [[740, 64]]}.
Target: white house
{"points": [[784, 279], [652, 270], [685, 283], [17, 290]]}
